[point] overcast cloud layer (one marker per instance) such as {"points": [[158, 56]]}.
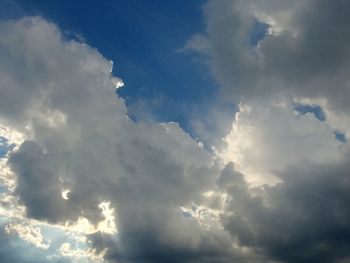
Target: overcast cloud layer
{"points": [[82, 182]]}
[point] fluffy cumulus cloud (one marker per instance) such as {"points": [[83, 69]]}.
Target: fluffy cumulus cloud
{"points": [[84, 182], [303, 53], [81, 182], [287, 194]]}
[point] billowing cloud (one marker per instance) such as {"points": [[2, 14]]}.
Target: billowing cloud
{"points": [[303, 219], [81, 181], [286, 193], [266, 139], [83, 167], [304, 53]]}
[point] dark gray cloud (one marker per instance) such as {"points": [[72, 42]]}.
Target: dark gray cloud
{"points": [[303, 219], [151, 227], [37, 183], [148, 245], [315, 62], [306, 54]]}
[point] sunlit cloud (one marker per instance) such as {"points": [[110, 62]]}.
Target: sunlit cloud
{"points": [[82, 181]]}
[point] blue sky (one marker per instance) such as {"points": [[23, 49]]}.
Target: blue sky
{"points": [[162, 83], [256, 170]]}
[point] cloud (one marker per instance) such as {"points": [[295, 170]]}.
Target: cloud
{"points": [[286, 187], [126, 180], [96, 184], [305, 53], [302, 219], [28, 233], [16, 250], [268, 138]]}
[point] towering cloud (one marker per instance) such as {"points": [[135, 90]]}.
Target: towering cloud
{"points": [[299, 65], [83, 181], [84, 167]]}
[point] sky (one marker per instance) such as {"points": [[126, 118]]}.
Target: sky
{"points": [[163, 82], [174, 131]]}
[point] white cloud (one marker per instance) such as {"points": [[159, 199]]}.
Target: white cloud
{"points": [[305, 56], [129, 182], [125, 179], [304, 59], [28, 233], [267, 139]]}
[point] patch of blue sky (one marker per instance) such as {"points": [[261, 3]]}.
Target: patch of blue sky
{"points": [[3, 221], [258, 32], [5, 147], [316, 110], [3, 189], [186, 214], [15, 249], [55, 237], [53, 233], [340, 136]]}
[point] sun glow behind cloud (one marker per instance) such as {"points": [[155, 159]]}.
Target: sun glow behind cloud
{"points": [[58, 143], [30, 230], [80, 181]]}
